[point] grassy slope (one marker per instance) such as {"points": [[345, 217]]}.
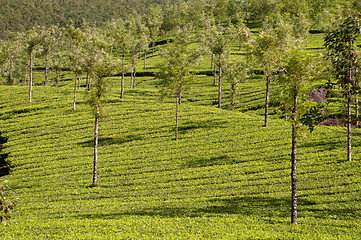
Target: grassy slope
{"points": [[227, 177]]}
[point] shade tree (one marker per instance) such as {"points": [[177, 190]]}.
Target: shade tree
{"points": [[174, 73], [218, 39], [32, 39], [153, 20], [76, 37], [297, 69], [267, 48], [341, 46]]}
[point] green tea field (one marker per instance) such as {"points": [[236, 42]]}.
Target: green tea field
{"points": [[227, 177]]}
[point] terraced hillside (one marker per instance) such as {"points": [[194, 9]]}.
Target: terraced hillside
{"points": [[227, 177]]}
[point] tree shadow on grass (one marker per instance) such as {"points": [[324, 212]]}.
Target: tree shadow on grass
{"points": [[209, 161], [262, 207], [104, 141], [206, 124]]}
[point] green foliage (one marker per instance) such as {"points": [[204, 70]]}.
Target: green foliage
{"points": [[8, 201], [313, 116]]}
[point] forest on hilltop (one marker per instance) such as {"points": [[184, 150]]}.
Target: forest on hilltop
{"points": [[20, 15]]}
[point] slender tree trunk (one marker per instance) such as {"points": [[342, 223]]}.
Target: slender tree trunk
{"points": [[153, 46], [46, 69], [75, 86], [267, 98], [131, 78], [214, 74], [96, 135], [295, 126], [294, 174], [123, 65], [31, 76], [233, 95], [96, 141], [220, 85], [90, 82], [87, 80], [240, 44], [357, 112], [134, 78], [349, 158], [80, 76], [145, 58], [176, 114], [212, 60]]}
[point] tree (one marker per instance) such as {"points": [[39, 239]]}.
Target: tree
{"points": [[217, 39], [298, 70], [341, 46], [121, 33], [102, 67], [174, 71], [77, 37], [51, 36], [268, 47], [33, 38], [235, 72], [154, 19]]}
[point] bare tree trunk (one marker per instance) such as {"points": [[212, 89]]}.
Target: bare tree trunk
{"points": [[233, 95], [145, 58], [153, 46], [357, 112], [294, 174], [80, 76], [87, 81], [220, 85], [31, 76], [176, 114], [349, 128], [131, 78], [134, 78], [295, 127], [212, 60], [96, 135], [90, 82], [267, 99], [75, 85], [96, 141], [123, 65], [214, 74], [46, 69]]}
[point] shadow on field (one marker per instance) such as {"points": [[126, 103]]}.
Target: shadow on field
{"points": [[257, 206], [326, 145], [209, 161], [111, 141], [206, 124]]}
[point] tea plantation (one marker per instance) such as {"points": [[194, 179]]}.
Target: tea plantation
{"points": [[227, 177]]}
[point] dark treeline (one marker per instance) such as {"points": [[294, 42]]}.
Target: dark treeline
{"points": [[21, 15]]}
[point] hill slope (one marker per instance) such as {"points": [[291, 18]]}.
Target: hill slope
{"points": [[227, 177]]}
